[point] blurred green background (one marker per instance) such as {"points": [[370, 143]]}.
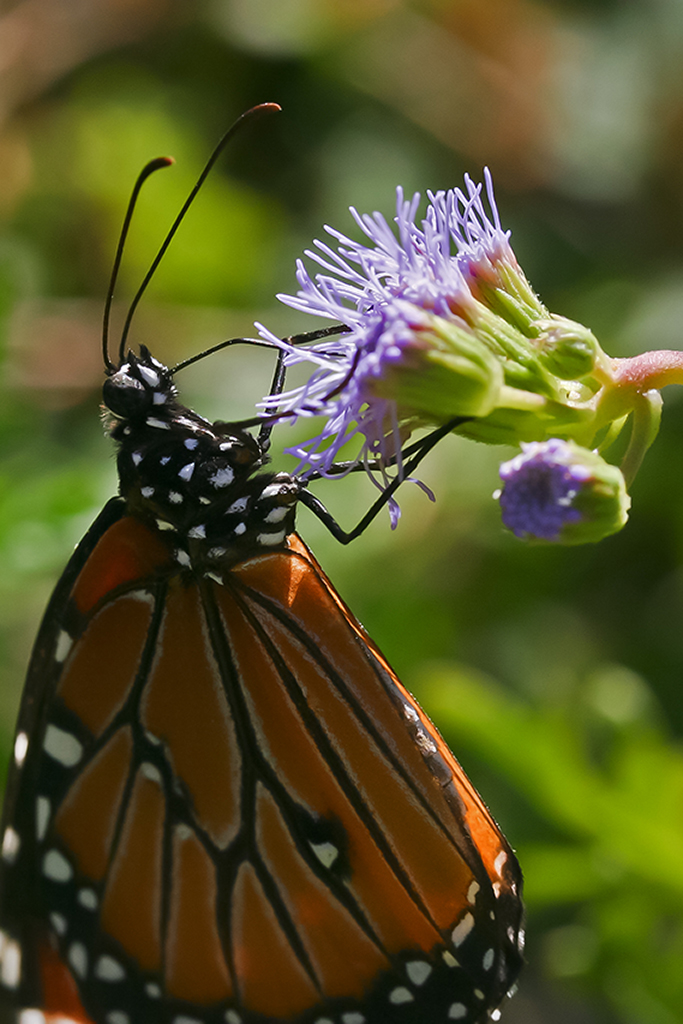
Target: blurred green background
{"points": [[555, 674]]}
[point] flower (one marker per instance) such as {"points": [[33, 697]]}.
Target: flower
{"points": [[557, 491], [422, 345], [438, 326]]}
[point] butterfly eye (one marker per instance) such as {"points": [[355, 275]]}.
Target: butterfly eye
{"points": [[125, 396]]}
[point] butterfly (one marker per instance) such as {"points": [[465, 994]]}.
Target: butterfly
{"points": [[223, 805]]}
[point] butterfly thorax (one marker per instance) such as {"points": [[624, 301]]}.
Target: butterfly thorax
{"points": [[192, 480]]}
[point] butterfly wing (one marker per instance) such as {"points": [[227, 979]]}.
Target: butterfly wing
{"points": [[421, 891], [53, 747], [225, 807]]}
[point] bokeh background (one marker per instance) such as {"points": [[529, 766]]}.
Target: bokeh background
{"points": [[555, 674]]}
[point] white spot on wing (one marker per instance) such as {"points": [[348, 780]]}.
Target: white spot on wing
{"points": [[462, 930], [10, 964], [197, 532], [326, 853], [117, 1017], [240, 528], [186, 472], [456, 1011], [56, 867], [108, 969], [59, 923], [150, 771], [136, 458], [500, 861], [400, 995], [183, 557], [487, 962], [146, 492], [20, 748], [418, 971], [77, 956], [88, 899], [31, 1017], [153, 990], [152, 421], [62, 746], [43, 809], [64, 642], [10, 845], [159, 398], [424, 742], [449, 959], [232, 1017], [191, 443], [472, 892], [175, 498], [353, 1018]]}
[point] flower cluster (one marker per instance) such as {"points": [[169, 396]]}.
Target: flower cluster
{"points": [[440, 326]]}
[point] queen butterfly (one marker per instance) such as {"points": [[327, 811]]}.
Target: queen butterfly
{"points": [[223, 806]]}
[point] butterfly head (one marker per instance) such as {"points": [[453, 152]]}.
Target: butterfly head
{"points": [[140, 387], [189, 478]]}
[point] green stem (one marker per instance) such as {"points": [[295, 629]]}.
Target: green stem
{"points": [[625, 381], [647, 413], [516, 398]]}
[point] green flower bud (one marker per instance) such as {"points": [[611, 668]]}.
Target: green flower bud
{"points": [[567, 349], [446, 371]]}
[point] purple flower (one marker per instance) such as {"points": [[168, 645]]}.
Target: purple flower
{"points": [[411, 297], [558, 491], [540, 486]]}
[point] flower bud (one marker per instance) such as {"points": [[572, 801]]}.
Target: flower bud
{"points": [[556, 491], [444, 371], [567, 349]]}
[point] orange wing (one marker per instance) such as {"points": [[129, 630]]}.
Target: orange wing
{"points": [[226, 808]]}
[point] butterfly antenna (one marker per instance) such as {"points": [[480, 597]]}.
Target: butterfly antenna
{"points": [[249, 115], [147, 170]]}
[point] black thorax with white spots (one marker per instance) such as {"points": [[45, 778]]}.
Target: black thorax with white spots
{"points": [[190, 479]]}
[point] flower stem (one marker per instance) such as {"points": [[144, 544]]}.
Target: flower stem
{"points": [[651, 370], [647, 413]]}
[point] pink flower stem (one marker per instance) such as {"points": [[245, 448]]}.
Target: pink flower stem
{"points": [[649, 371]]}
